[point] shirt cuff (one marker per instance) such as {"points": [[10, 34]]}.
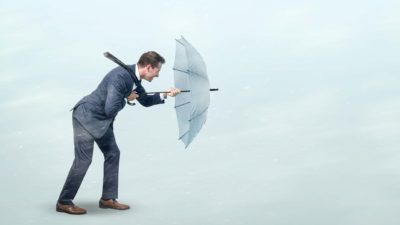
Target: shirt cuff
{"points": [[162, 96]]}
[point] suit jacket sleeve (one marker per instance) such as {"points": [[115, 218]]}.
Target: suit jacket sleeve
{"points": [[115, 98], [149, 100]]}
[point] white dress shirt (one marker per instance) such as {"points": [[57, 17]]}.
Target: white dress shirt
{"points": [[140, 79]]}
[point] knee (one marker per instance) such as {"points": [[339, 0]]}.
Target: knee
{"points": [[114, 154], [81, 164], [86, 162]]}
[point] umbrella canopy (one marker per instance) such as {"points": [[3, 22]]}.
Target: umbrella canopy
{"points": [[190, 73]]}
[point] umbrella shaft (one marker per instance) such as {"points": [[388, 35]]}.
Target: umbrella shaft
{"points": [[155, 92]]}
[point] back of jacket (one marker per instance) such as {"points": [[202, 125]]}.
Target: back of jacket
{"points": [[97, 110]]}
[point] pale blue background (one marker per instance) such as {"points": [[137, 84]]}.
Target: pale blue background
{"points": [[304, 131]]}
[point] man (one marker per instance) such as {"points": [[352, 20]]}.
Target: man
{"points": [[93, 118]]}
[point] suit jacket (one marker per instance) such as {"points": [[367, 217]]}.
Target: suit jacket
{"points": [[97, 111]]}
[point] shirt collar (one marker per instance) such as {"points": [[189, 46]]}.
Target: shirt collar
{"points": [[137, 73]]}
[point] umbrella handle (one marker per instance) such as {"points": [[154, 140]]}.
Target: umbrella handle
{"points": [[130, 103]]}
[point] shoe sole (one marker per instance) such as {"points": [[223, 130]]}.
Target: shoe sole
{"points": [[109, 207]]}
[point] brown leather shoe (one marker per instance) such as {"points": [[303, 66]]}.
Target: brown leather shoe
{"points": [[112, 204], [70, 209]]}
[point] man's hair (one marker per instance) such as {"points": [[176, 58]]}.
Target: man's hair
{"points": [[152, 58]]}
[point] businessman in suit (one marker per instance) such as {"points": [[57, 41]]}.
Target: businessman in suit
{"points": [[92, 120]]}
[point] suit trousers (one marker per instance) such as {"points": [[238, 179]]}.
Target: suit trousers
{"points": [[84, 143]]}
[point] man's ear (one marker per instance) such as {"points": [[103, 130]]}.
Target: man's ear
{"points": [[148, 67]]}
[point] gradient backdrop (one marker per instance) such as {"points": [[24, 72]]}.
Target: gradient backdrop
{"points": [[304, 130]]}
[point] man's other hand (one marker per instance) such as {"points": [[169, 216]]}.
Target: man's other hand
{"points": [[133, 96]]}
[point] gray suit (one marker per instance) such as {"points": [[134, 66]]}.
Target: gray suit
{"points": [[93, 118], [99, 109]]}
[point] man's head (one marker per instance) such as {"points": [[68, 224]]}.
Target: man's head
{"points": [[149, 65]]}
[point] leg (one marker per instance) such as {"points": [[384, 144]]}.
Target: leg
{"points": [[83, 142], [111, 154]]}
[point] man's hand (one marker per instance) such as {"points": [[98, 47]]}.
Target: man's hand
{"points": [[172, 92], [133, 96]]}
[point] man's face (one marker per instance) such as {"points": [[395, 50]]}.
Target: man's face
{"points": [[152, 72]]}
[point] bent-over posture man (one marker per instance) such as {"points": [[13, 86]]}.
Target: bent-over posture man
{"points": [[92, 120]]}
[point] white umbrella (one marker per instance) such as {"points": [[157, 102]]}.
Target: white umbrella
{"points": [[191, 106]]}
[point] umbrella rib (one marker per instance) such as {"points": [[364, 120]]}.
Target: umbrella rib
{"points": [[179, 42], [182, 104], [183, 71], [183, 135], [198, 114], [190, 72]]}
